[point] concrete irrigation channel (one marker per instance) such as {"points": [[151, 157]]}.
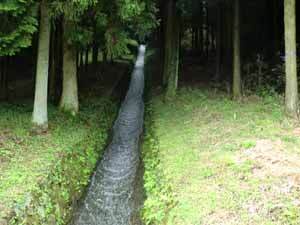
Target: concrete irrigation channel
{"points": [[110, 196]]}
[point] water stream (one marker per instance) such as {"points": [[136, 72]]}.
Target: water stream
{"points": [[109, 199]]}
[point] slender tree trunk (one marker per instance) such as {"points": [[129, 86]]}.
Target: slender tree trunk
{"points": [[213, 39], [201, 29], [69, 99], [77, 59], [172, 81], [207, 32], [276, 30], [237, 87], [3, 78], [196, 38], [95, 49], [168, 40], [81, 61], [86, 59], [95, 54], [218, 43], [228, 45], [193, 38], [52, 78], [40, 114], [291, 88], [104, 55]]}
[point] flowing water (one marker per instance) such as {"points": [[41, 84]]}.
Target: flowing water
{"points": [[109, 199]]}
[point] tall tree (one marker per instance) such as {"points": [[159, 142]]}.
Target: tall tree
{"points": [[218, 42], [291, 88], [69, 98], [237, 87], [40, 117], [172, 39]]}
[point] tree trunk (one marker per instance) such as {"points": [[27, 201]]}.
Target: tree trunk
{"points": [[276, 30], [168, 40], [3, 78], [228, 45], [207, 32], [201, 46], [69, 99], [40, 114], [196, 38], [193, 38], [95, 49], [172, 77], [218, 43], [52, 75], [291, 88], [81, 61], [237, 87], [95, 54], [213, 39], [86, 59]]}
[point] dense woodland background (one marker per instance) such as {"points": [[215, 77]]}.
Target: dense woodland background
{"points": [[50, 41]]}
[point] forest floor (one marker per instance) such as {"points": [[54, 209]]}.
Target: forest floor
{"points": [[227, 162], [42, 175]]}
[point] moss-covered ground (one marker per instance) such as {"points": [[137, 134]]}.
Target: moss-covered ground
{"points": [[211, 160]]}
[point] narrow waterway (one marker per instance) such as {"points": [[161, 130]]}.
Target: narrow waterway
{"points": [[110, 197]]}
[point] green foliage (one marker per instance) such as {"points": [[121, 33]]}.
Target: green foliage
{"points": [[129, 9], [110, 23], [72, 10], [144, 23], [18, 24], [116, 43], [160, 198], [127, 20], [262, 77]]}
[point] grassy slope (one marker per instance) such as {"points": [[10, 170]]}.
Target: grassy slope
{"points": [[203, 140], [32, 164]]}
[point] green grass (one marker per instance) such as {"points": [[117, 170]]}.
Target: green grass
{"points": [[40, 175], [201, 140]]}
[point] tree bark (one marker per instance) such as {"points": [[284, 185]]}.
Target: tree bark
{"points": [[95, 50], [40, 113], [201, 46], [81, 61], [276, 30], [3, 78], [168, 40], [86, 59], [237, 87], [291, 88], [52, 75], [173, 64], [69, 99], [207, 32], [218, 43]]}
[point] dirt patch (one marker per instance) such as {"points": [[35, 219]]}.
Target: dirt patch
{"points": [[272, 161]]}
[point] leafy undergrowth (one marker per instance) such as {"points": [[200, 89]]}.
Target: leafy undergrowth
{"points": [[160, 197], [225, 162], [42, 176]]}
